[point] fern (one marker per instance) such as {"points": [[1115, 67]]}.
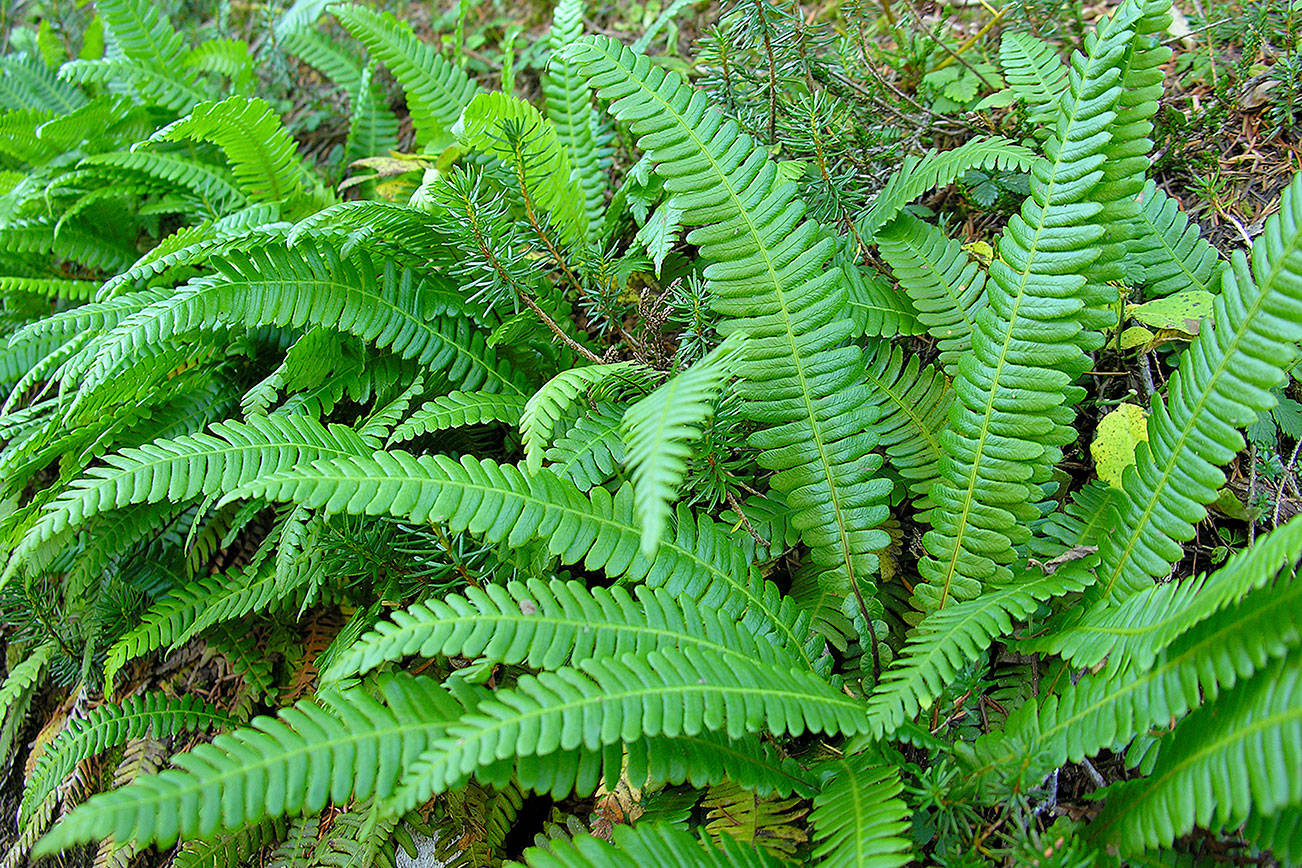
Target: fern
{"points": [[1224, 380], [667, 692], [109, 726], [1012, 409], [262, 155], [344, 744], [659, 429], [1171, 250], [456, 410], [592, 451], [1219, 764], [646, 844], [437, 91], [767, 278], [937, 169], [858, 818], [914, 403], [545, 626], [1035, 74], [944, 284], [502, 504], [545, 409]]}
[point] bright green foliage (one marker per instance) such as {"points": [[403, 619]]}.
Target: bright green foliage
{"points": [[767, 278], [659, 431], [914, 403], [1224, 380], [343, 744], [437, 91], [647, 845], [1171, 249], [1012, 410], [1034, 72], [458, 409], [545, 409], [857, 817]]}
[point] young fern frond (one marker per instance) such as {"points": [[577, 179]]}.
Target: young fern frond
{"points": [[768, 277], [503, 504], [1170, 248], [661, 693], [263, 157], [1035, 74], [437, 91], [109, 726], [938, 169], [592, 451], [946, 286], [1012, 411], [1223, 382], [569, 107], [547, 625], [546, 408], [859, 818], [343, 744], [1221, 763], [457, 410], [659, 430]]}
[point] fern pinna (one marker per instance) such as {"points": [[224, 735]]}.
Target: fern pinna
{"points": [[391, 520]]}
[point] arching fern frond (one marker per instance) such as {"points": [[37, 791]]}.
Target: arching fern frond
{"points": [[592, 450], [344, 744], [950, 639], [946, 286], [662, 693], [1223, 382], [859, 818], [937, 169], [1221, 763], [437, 91], [769, 276], [546, 407], [109, 726], [503, 504], [569, 107], [263, 157], [547, 625], [457, 410], [659, 430], [914, 404]]}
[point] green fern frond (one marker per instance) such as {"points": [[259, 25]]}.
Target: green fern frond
{"points": [[143, 33], [1279, 833], [517, 134], [591, 452], [1035, 74], [16, 694], [384, 228], [647, 844], [914, 404], [569, 107], [547, 625], [457, 410], [232, 454], [230, 850], [949, 639], [372, 125], [859, 818], [228, 57], [263, 157], [937, 169], [1013, 395], [1221, 763], [27, 83], [768, 277], [109, 726], [49, 287], [659, 430], [1103, 709], [1223, 382], [662, 693], [1171, 249], [546, 408], [946, 286], [175, 91], [503, 504], [344, 744], [437, 91], [212, 185], [312, 284]]}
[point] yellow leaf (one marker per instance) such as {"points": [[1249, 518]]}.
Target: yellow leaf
{"points": [[1115, 440]]}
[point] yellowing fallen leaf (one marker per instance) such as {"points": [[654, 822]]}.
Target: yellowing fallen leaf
{"points": [[1115, 440]]}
